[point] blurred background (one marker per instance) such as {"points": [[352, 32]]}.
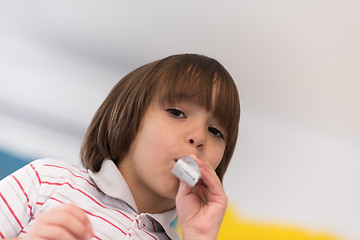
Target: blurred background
{"points": [[296, 63]]}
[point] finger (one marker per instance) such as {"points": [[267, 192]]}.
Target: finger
{"points": [[79, 224], [53, 232], [76, 212], [211, 181], [184, 190], [71, 218], [208, 174]]}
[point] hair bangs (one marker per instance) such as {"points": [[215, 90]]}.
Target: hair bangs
{"points": [[187, 85], [226, 105], [204, 82]]}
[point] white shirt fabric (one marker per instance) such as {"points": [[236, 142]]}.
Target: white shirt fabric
{"points": [[104, 196]]}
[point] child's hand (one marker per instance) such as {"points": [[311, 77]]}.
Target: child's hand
{"points": [[201, 208], [65, 222]]}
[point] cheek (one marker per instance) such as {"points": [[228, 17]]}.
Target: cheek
{"points": [[216, 157], [154, 137]]}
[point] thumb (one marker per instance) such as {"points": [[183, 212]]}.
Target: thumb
{"points": [[184, 190], [184, 203]]}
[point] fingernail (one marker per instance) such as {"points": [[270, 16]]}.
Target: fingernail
{"points": [[88, 236], [90, 233]]}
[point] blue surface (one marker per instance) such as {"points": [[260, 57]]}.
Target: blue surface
{"points": [[10, 162]]}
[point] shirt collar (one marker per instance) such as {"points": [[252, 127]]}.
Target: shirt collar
{"points": [[165, 220], [112, 183], [110, 180]]}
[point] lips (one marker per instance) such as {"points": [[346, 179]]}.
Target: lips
{"points": [[187, 170], [182, 156]]}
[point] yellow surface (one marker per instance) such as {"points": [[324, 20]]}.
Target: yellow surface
{"points": [[234, 227]]}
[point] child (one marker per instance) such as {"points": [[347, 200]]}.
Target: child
{"points": [[181, 105]]}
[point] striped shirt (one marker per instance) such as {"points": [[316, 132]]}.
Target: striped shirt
{"points": [[104, 196]]}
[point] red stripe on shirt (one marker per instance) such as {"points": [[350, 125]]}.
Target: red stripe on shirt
{"points": [[1, 235], [137, 222], [89, 213], [83, 171], [149, 234], [66, 183], [51, 165], [12, 212], [55, 199], [153, 226], [97, 216], [37, 174], [27, 197]]}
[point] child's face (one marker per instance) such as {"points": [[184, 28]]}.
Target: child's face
{"points": [[166, 134]]}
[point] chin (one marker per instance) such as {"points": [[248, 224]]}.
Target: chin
{"points": [[172, 190]]}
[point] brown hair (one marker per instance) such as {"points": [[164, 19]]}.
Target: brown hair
{"points": [[185, 77]]}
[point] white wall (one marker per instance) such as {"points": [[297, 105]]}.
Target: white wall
{"points": [[296, 64]]}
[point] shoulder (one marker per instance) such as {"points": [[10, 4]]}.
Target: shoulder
{"points": [[55, 163], [52, 167]]}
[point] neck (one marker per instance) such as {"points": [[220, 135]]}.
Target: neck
{"points": [[146, 200], [147, 203]]}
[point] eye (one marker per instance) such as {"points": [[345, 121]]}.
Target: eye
{"points": [[176, 113], [216, 132]]}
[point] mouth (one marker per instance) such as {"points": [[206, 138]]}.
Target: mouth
{"points": [[187, 170], [186, 155], [183, 156], [176, 159], [179, 158]]}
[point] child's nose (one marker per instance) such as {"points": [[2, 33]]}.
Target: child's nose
{"points": [[197, 138]]}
